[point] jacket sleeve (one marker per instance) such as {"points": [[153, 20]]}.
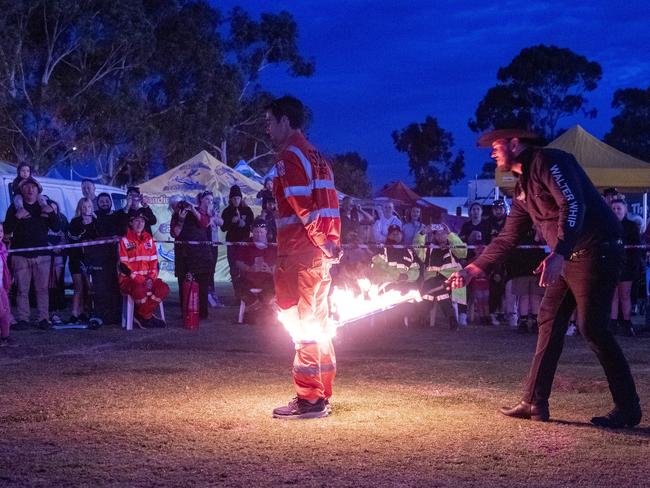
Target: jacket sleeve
{"points": [[153, 260], [10, 220], [53, 222], [457, 246], [124, 259], [560, 176], [227, 216], [296, 186], [497, 251]]}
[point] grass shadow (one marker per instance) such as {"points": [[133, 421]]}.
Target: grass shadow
{"points": [[637, 431]]}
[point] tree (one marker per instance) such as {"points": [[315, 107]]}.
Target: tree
{"points": [[428, 147], [56, 55], [488, 170], [130, 82], [541, 85], [350, 174], [630, 130]]}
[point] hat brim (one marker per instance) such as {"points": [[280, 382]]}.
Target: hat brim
{"points": [[488, 138]]}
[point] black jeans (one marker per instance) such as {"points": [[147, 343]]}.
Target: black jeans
{"points": [[587, 283]]}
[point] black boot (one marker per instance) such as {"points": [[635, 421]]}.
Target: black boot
{"points": [[529, 411], [532, 320], [619, 418], [627, 329], [522, 325]]}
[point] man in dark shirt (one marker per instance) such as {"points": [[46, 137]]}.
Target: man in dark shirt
{"points": [[136, 203], [476, 231], [580, 273], [29, 227]]}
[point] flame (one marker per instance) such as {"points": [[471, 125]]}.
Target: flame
{"points": [[347, 306]]}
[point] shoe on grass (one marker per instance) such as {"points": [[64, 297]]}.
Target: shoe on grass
{"points": [[619, 418], [301, 409], [44, 324], [20, 325], [7, 342]]}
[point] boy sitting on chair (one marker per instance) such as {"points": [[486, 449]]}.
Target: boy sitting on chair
{"points": [[139, 272]]}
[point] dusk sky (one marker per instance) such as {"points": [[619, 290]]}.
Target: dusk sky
{"points": [[382, 65]]}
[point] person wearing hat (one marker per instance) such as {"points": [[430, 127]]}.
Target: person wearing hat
{"points": [[30, 227], [138, 267], [136, 202], [237, 220], [257, 265], [581, 272]]}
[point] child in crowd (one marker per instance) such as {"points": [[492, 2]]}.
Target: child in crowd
{"points": [[5, 283], [23, 171]]}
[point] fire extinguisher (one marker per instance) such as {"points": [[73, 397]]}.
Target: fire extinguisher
{"points": [[191, 305]]}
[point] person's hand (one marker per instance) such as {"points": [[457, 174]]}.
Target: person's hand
{"points": [[47, 209], [144, 201], [550, 269], [332, 251], [21, 213], [183, 213], [461, 278]]}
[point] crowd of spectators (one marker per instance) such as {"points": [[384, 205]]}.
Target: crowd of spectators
{"points": [[379, 245]]}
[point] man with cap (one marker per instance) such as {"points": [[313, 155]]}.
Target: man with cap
{"points": [[136, 203], [30, 229], [309, 229], [139, 271], [554, 192]]}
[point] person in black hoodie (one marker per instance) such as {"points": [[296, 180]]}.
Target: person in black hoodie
{"points": [[30, 226], [104, 258], [237, 221]]}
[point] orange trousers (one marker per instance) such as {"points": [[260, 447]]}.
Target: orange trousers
{"points": [[303, 282], [145, 300]]}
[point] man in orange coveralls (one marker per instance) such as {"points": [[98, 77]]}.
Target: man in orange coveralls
{"points": [[139, 271], [308, 227]]}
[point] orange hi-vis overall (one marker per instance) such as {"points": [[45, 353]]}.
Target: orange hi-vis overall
{"points": [[308, 216], [139, 254]]}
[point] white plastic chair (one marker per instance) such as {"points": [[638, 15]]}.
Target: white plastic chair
{"points": [[242, 305], [128, 310]]}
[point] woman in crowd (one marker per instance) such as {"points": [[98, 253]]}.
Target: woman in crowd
{"points": [[206, 207], [237, 221], [57, 264], [631, 270], [266, 192], [192, 261], [83, 227]]}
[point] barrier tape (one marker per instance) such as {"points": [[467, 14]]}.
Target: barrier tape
{"points": [[115, 239]]}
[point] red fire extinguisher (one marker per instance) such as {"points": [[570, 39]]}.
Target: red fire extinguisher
{"points": [[191, 305]]}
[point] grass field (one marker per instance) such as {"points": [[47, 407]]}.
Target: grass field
{"points": [[412, 407]]}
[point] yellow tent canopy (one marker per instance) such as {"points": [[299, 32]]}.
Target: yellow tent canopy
{"points": [[199, 173], [605, 165]]}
